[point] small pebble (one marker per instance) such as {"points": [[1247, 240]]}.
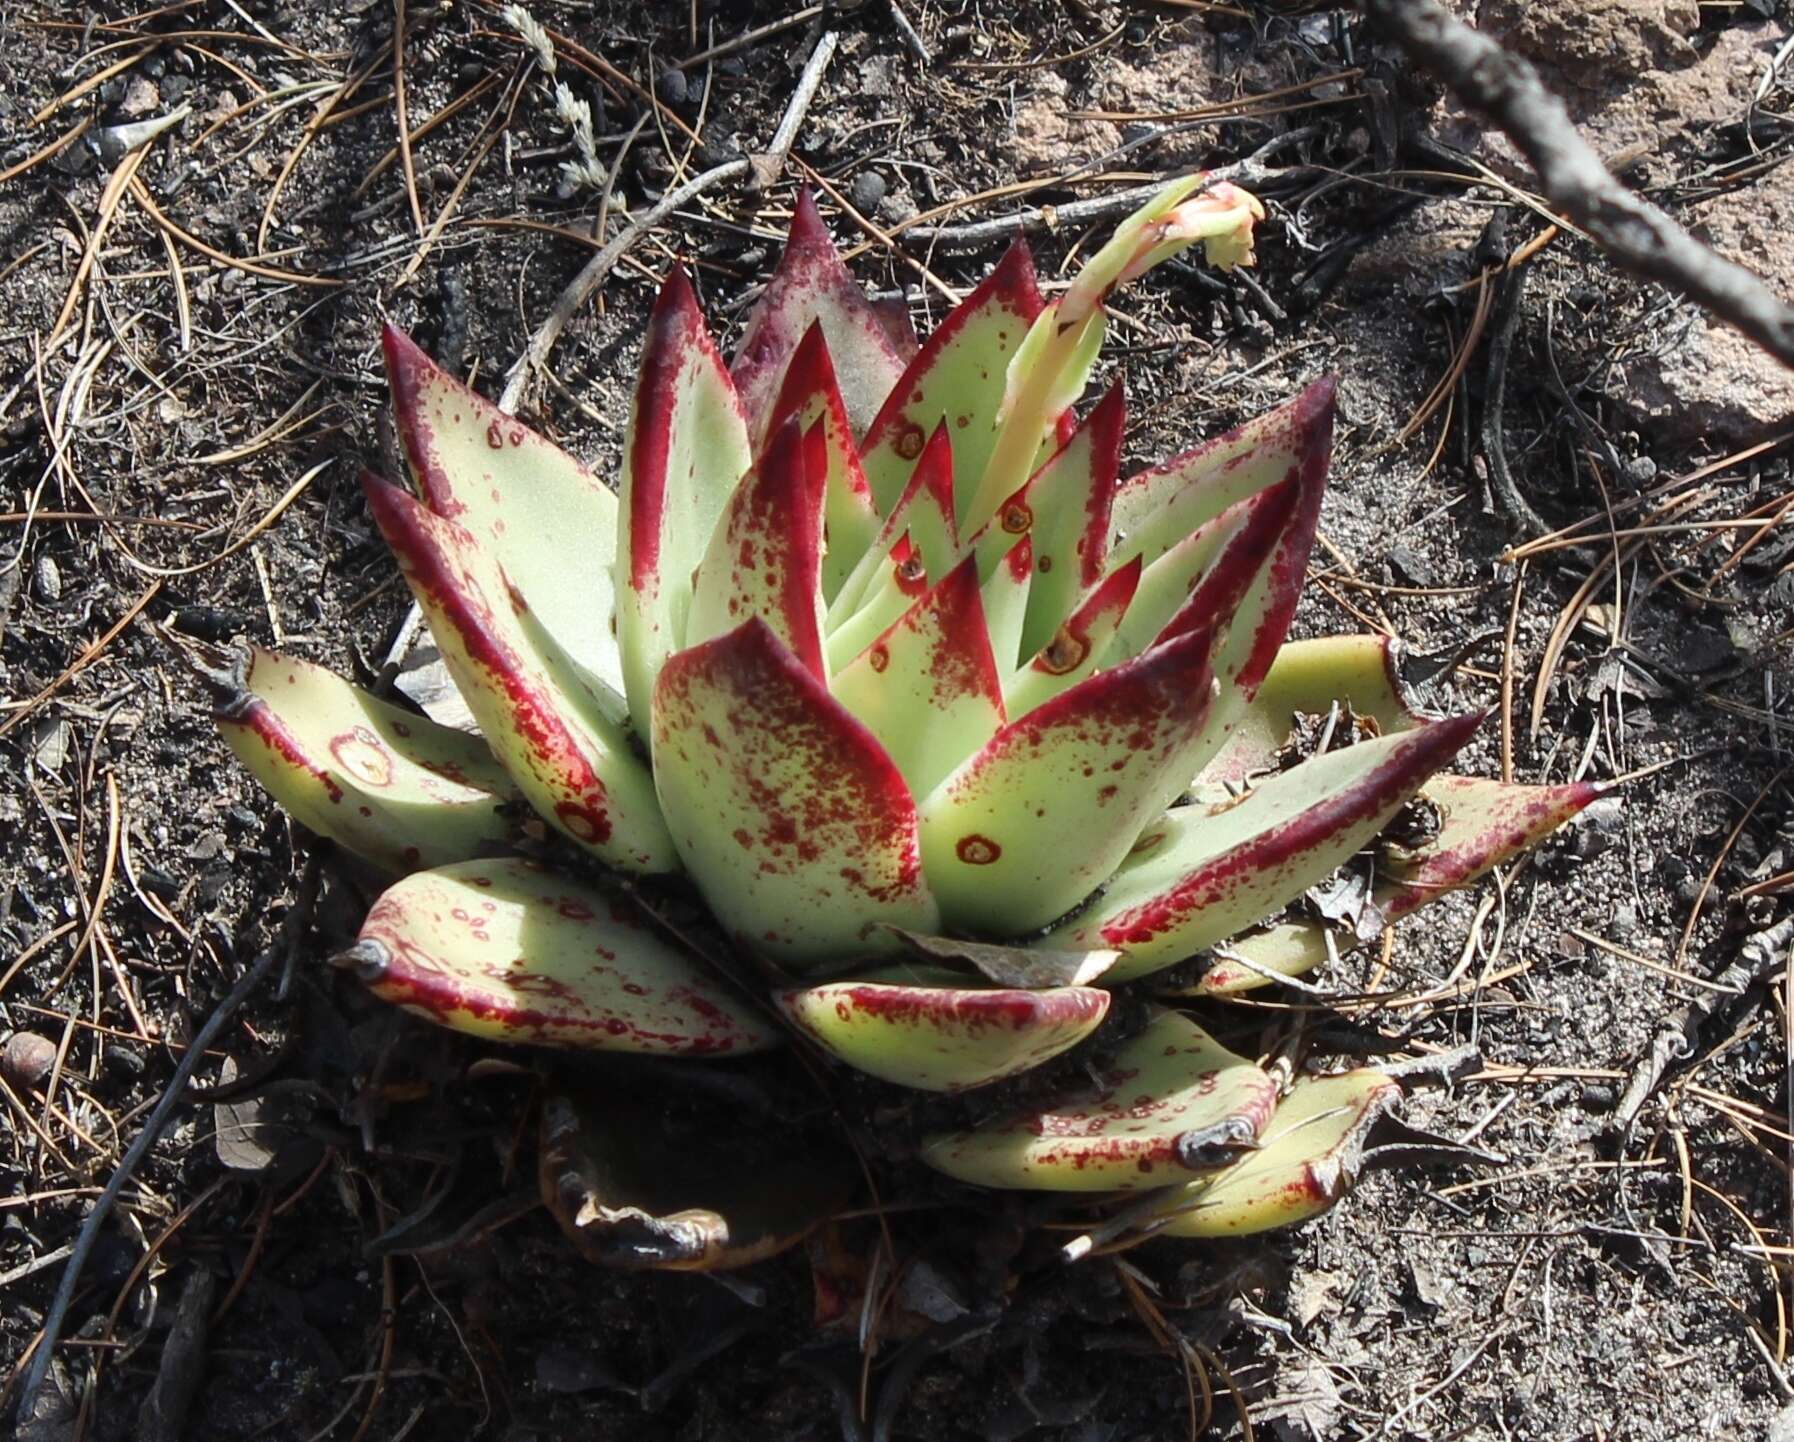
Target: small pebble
{"points": [[26, 1059], [671, 87], [868, 189], [47, 580], [125, 1061]]}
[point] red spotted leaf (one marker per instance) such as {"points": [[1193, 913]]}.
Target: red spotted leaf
{"points": [[1205, 873], [938, 1031], [687, 448], [928, 687], [507, 950], [1173, 1102], [548, 522], [958, 378], [765, 559], [793, 820], [1040, 817], [572, 763], [850, 520], [388, 785]]}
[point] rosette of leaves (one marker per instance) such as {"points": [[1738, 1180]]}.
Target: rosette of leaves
{"points": [[946, 725]]}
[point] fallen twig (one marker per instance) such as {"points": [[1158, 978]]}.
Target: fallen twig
{"points": [[1761, 955], [1251, 171], [172, 1096], [592, 274], [771, 162], [1636, 234]]}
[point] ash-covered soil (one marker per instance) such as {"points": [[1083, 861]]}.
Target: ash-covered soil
{"points": [[346, 1233]]}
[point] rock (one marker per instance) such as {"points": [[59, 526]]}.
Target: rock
{"points": [[881, 75], [671, 87], [1175, 76], [1710, 382], [26, 1059], [1590, 44], [867, 191], [1660, 113], [140, 98], [1048, 136]]}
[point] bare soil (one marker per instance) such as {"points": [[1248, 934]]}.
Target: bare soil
{"points": [[189, 350]]}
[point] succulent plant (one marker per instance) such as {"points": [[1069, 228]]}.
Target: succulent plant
{"points": [[948, 729]]}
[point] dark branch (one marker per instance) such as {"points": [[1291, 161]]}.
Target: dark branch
{"points": [[1636, 234]]}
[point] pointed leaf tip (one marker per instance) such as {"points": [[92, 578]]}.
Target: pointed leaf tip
{"points": [[522, 496], [686, 450], [957, 376], [810, 393], [385, 784], [507, 950], [765, 558], [1205, 873], [811, 286], [1307, 1159], [1171, 1092], [1042, 815]]}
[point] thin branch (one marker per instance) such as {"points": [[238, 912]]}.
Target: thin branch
{"points": [[1637, 235], [592, 275], [974, 235], [172, 1096]]}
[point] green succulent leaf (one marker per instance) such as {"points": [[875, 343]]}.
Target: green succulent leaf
{"points": [[1065, 510], [958, 378], [1206, 575], [388, 785], [928, 687], [933, 1030], [850, 520], [521, 496], [1306, 1161], [1362, 672], [507, 950], [765, 559], [1205, 873], [1156, 509], [713, 1195], [686, 449], [1256, 959], [1073, 652], [1007, 573], [810, 287], [793, 820], [917, 540], [571, 762], [1251, 588], [1046, 810], [1173, 1101], [1483, 823]]}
